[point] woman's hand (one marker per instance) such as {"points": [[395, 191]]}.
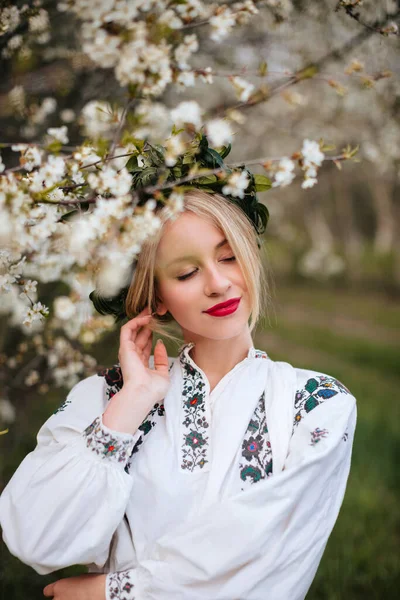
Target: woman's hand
{"points": [[143, 387], [134, 354], [82, 587]]}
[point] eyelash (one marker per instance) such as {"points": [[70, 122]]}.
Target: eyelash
{"points": [[184, 277]]}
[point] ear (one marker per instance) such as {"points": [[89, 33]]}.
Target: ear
{"points": [[161, 309]]}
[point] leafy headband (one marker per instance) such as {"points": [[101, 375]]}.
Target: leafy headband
{"points": [[156, 173]]}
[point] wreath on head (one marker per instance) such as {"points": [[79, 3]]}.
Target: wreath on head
{"points": [[149, 170]]}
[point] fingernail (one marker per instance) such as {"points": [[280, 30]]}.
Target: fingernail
{"points": [[159, 341]]}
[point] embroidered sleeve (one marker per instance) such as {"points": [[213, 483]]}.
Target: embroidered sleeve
{"points": [[317, 389], [109, 445], [119, 586]]}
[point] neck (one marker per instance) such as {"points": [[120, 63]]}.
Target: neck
{"points": [[217, 357]]}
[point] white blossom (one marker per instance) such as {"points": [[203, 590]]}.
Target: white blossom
{"points": [[187, 112], [32, 378], [17, 99], [31, 157], [29, 289], [284, 175], [311, 153], [237, 184], [175, 146], [169, 18], [7, 411], [184, 51], [309, 182], [222, 24], [174, 206], [9, 19], [39, 22], [36, 313], [219, 132], [67, 115], [243, 88], [109, 180], [186, 79], [64, 308], [59, 133]]}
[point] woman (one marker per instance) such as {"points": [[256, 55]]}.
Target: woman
{"points": [[216, 475]]}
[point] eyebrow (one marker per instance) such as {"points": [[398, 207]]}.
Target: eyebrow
{"points": [[183, 258]]}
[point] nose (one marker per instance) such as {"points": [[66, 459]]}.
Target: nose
{"points": [[216, 281]]}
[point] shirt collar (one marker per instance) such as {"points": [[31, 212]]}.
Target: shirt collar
{"points": [[183, 353]]}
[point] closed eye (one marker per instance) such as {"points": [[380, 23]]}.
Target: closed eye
{"points": [[184, 277]]}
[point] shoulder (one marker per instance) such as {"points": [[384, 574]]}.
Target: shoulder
{"points": [[314, 388]]}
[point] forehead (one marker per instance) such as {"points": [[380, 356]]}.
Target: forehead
{"points": [[188, 234]]}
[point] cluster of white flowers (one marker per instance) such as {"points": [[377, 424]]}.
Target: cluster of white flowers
{"points": [[35, 313], [284, 174], [49, 174], [60, 134], [97, 119], [67, 364], [312, 158], [108, 180], [237, 184], [30, 157], [138, 56], [9, 19]]}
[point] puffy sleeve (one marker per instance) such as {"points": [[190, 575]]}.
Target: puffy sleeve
{"points": [[67, 497], [268, 540]]}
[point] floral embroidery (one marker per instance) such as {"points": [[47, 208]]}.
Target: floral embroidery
{"points": [[106, 445], [119, 586], [317, 434], [256, 447], [62, 406], [315, 392], [195, 423], [114, 379]]}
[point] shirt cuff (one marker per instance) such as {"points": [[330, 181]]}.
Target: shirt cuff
{"points": [[119, 585], [109, 445]]}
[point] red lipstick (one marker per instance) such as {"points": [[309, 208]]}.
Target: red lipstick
{"points": [[224, 308]]}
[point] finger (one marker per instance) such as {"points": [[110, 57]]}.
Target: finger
{"points": [[48, 591], [161, 358], [142, 338], [129, 330]]}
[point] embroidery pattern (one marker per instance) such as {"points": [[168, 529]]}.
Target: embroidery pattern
{"points": [[315, 392], [114, 379], [119, 586], [195, 441], [317, 434], [62, 406], [105, 444], [256, 447]]}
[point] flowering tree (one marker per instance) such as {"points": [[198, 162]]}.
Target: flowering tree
{"points": [[74, 211]]}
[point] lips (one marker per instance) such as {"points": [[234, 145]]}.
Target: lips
{"points": [[228, 304]]}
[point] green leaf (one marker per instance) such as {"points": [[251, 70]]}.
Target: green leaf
{"points": [[206, 180], [262, 183]]}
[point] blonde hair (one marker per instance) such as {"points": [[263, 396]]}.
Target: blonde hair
{"points": [[241, 235]]}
